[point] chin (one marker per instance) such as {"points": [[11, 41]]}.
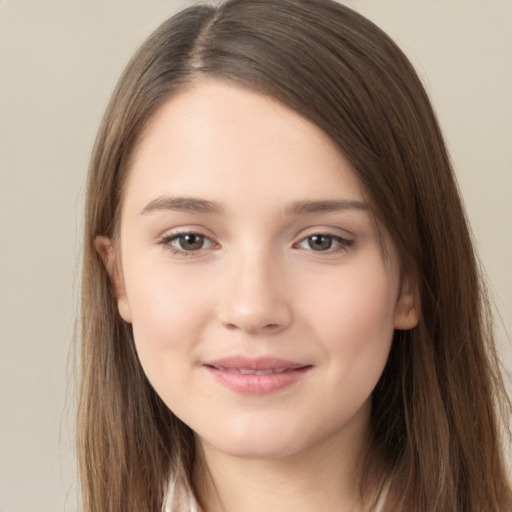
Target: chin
{"points": [[264, 443], [259, 451]]}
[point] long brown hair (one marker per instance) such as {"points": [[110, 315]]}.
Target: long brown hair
{"points": [[437, 408]]}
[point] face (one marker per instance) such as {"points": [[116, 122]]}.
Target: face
{"points": [[250, 268]]}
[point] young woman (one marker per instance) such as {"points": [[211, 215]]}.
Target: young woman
{"points": [[282, 309]]}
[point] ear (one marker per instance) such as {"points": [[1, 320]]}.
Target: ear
{"points": [[407, 306], [105, 248]]}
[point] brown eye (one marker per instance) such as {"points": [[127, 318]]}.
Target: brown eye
{"points": [[320, 242], [186, 243], [190, 242], [323, 242]]}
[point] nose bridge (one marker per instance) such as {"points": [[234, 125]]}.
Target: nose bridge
{"points": [[254, 297]]}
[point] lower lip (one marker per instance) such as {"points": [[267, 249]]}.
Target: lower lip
{"points": [[250, 384]]}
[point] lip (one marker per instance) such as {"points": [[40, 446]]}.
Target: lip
{"points": [[256, 376]]}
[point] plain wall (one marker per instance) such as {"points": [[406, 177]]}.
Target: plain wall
{"points": [[59, 62]]}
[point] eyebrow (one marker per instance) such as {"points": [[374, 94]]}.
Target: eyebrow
{"points": [[333, 205], [181, 204], [196, 205]]}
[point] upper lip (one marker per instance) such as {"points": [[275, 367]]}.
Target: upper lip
{"points": [[251, 364]]}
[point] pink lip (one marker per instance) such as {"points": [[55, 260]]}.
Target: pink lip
{"points": [[258, 376]]}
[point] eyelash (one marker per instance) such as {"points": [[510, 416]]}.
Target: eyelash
{"points": [[343, 244], [167, 242]]}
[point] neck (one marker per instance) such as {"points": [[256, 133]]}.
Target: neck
{"points": [[323, 477]]}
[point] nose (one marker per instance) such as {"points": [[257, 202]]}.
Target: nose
{"points": [[254, 298]]}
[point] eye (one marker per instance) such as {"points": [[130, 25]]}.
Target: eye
{"points": [[320, 242], [183, 243]]}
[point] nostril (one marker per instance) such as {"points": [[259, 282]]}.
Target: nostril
{"points": [[268, 327], [251, 316]]}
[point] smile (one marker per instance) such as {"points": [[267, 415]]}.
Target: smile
{"points": [[256, 376], [247, 371]]}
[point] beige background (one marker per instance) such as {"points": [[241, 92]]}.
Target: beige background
{"points": [[58, 64]]}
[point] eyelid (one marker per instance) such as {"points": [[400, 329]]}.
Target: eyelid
{"points": [[334, 232], [168, 237], [344, 242], [189, 229]]}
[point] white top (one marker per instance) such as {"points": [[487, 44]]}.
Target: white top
{"points": [[180, 499]]}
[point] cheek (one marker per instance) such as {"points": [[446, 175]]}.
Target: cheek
{"points": [[361, 310], [167, 313], [354, 318]]}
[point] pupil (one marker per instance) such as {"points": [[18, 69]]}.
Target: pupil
{"points": [[320, 242], [191, 242]]}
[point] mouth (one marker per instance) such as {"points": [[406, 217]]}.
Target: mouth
{"points": [[256, 376], [248, 371]]}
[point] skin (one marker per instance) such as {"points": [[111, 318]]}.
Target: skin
{"points": [[257, 285]]}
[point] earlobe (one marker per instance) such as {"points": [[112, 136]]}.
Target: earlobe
{"points": [[105, 248], [407, 310]]}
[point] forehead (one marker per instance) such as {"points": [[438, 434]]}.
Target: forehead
{"points": [[216, 139]]}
